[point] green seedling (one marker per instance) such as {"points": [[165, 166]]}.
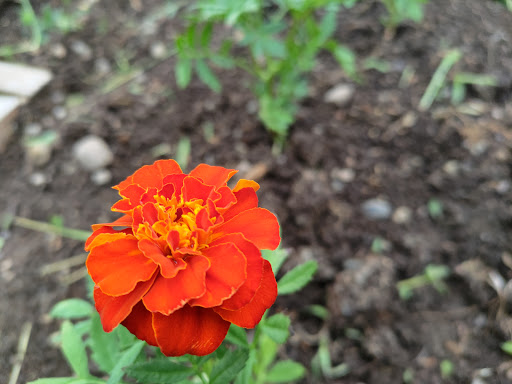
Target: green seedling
{"points": [[438, 80], [321, 364], [462, 79], [435, 208], [447, 369], [408, 376], [433, 275], [182, 155], [401, 10]]}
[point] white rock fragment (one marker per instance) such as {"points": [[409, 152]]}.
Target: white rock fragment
{"points": [[101, 176], [341, 94], [92, 153]]}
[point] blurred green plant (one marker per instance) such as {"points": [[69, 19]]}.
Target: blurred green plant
{"points": [[283, 39], [401, 10], [432, 275], [50, 19]]}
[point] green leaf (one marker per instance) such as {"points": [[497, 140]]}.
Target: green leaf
{"points": [[276, 258], [159, 371], [297, 278], [346, 59], [245, 375], [228, 366], [507, 347], [183, 151], [104, 346], [71, 309], [183, 72], [74, 350], [66, 380], [126, 359], [207, 76], [276, 327], [237, 336], [276, 118], [286, 371]]}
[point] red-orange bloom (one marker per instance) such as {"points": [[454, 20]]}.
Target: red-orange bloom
{"points": [[184, 260]]}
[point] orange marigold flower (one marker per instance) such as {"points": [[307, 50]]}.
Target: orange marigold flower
{"points": [[184, 260]]}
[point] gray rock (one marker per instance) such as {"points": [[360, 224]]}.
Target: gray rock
{"points": [[92, 153], [402, 215], [37, 179], [341, 94], [81, 49], [101, 176], [377, 209]]}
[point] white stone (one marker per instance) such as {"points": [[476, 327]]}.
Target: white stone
{"points": [[341, 94], [92, 153], [101, 176], [22, 80]]}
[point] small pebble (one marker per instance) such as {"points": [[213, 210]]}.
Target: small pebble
{"points": [[92, 153], [101, 176], [377, 209], [37, 179], [58, 51], [158, 50], [81, 49], [402, 215], [59, 112], [451, 167], [102, 66], [32, 129], [502, 186], [341, 94], [345, 175]]}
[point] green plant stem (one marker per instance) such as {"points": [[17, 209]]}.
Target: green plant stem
{"points": [[199, 373], [438, 79], [40, 226], [37, 35]]}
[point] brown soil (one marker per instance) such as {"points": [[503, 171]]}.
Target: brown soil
{"points": [[459, 156]]}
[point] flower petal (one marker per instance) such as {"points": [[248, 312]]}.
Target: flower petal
{"points": [[168, 267], [117, 266], [194, 189], [195, 330], [246, 292], [257, 225], [123, 221], [95, 239], [114, 309], [151, 175], [140, 323], [246, 198], [213, 175], [250, 315], [132, 194], [243, 183], [168, 295], [226, 274]]}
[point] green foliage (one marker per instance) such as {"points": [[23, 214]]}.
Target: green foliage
{"points": [[433, 275], [229, 366], [283, 39], [71, 309], [297, 278], [276, 327], [401, 10], [276, 258], [74, 350], [285, 371], [159, 371]]}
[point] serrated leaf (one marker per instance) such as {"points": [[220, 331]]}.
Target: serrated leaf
{"points": [[183, 72], [207, 76], [74, 350], [126, 359], [297, 278], [159, 371], [276, 327], [71, 309], [276, 258], [104, 346], [228, 366], [237, 336], [285, 371]]}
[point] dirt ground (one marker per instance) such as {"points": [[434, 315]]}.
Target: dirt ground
{"points": [[441, 179]]}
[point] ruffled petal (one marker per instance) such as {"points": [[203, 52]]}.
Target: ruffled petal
{"points": [[213, 175], [123, 221], [226, 274], [246, 292], [152, 175], [257, 225], [95, 239], [132, 194], [140, 323], [114, 309], [250, 315], [243, 183], [168, 267], [195, 330], [117, 266], [195, 189], [246, 198], [168, 295]]}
